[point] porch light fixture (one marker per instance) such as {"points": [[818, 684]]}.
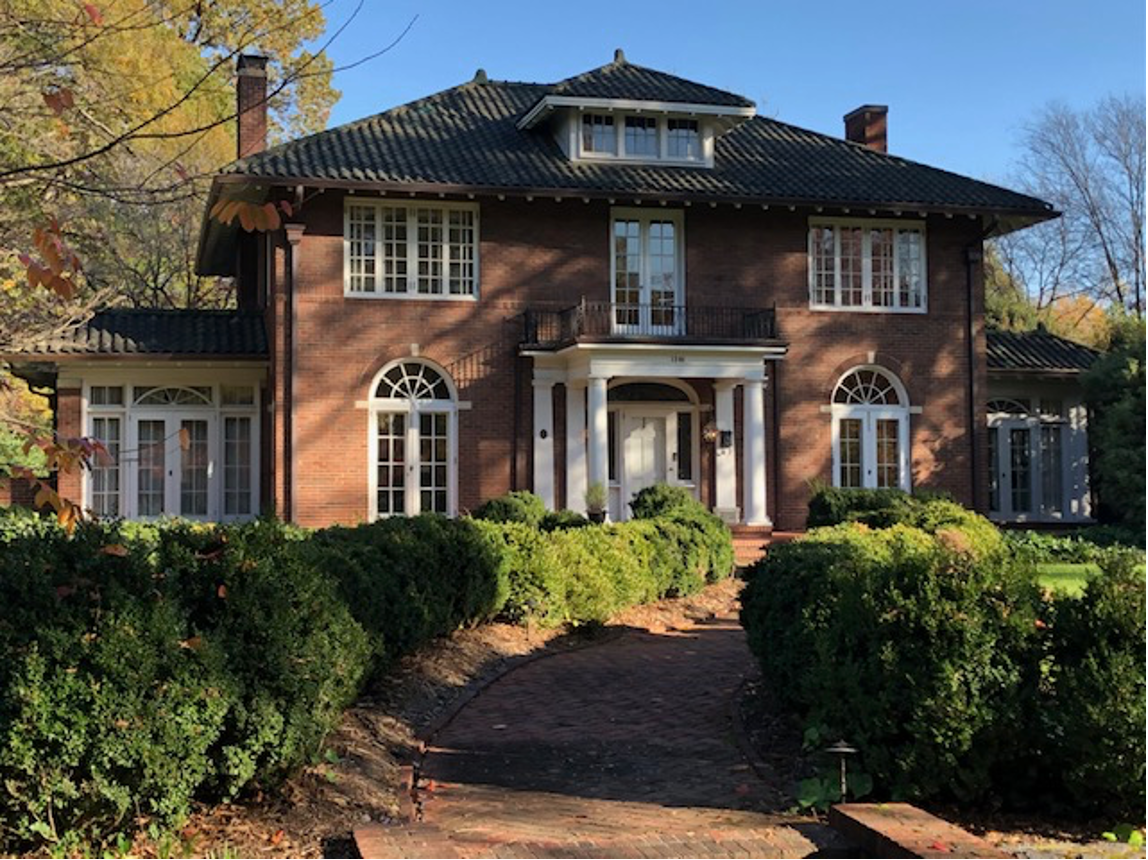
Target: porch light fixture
{"points": [[710, 432]]}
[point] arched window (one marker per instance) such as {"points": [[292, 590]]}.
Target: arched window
{"points": [[870, 430], [413, 440], [197, 395]]}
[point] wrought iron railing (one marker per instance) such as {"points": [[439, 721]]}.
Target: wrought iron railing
{"points": [[605, 322]]}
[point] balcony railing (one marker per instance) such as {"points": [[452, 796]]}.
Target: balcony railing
{"points": [[606, 322]]}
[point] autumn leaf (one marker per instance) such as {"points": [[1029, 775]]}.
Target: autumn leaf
{"points": [[116, 549], [192, 644], [184, 439], [59, 100], [276, 837], [94, 14], [221, 592]]}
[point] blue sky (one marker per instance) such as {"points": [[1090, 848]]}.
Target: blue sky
{"points": [[960, 78]]}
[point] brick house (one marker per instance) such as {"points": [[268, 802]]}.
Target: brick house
{"points": [[619, 279]]}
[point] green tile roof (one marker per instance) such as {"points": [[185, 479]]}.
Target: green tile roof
{"points": [[1037, 351], [190, 333]]}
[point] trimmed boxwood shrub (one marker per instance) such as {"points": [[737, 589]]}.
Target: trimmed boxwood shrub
{"points": [[660, 499], [519, 506], [930, 648], [1091, 717], [905, 643]]}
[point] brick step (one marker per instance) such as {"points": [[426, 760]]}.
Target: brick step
{"points": [[903, 830]]}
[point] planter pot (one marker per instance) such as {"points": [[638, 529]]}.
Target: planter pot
{"points": [[597, 517]]}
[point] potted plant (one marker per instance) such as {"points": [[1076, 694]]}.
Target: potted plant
{"points": [[596, 502]]}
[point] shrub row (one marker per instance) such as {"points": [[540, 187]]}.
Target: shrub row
{"points": [[149, 666], [928, 646]]}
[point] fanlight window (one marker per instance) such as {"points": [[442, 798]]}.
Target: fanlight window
{"points": [[867, 388], [413, 380], [196, 395], [1008, 407]]}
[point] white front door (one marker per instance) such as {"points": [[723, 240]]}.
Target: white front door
{"points": [[643, 453], [175, 474]]}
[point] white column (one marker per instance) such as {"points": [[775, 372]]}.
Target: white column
{"points": [[599, 457], [753, 453], [576, 446], [544, 441], [725, 459]]}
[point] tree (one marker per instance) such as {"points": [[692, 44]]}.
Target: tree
{"points": [[1090, 164], [1115, 391]]}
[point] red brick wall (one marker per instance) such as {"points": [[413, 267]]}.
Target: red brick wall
{"points": [[546, 253], [68, 424]]}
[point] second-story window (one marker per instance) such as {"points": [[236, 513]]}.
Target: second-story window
{"points": [[641, 136], [857, 264], [682, 139], [598, 134], [416, 251]]}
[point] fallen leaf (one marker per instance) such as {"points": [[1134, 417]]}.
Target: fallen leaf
{"points": [[116, 549], [276, 837]]}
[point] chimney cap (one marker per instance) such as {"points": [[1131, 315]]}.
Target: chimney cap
{"points": [[251, 64], [480, 77], [867, 109], [619, 56]]}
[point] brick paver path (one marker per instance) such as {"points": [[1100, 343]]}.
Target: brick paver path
{"points": [[624, 749]]}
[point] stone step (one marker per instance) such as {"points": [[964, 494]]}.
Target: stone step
{"points": [[903, 830]]}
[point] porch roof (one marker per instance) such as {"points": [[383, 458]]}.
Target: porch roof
{"points": [[207, 334], [1036, 352]]}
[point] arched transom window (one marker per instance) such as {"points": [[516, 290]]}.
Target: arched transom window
{"points": [[867, 387], [414, 441], [870, 430], [413, 380]]}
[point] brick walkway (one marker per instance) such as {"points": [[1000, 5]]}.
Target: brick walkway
{"points": [[624, 749]]}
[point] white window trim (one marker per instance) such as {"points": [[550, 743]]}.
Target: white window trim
{"points": [[411, 408], [867, 306], [868, 414], [129, 413], [412, 293], [705, 140]]}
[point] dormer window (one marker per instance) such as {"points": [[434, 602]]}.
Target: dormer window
{"points": [[598, 134], [642, 136], [682, 139]]}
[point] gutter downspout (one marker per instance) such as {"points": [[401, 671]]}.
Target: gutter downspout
{"points": [[294, 237], [974, 256]]}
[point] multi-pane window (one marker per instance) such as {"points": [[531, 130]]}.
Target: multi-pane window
{"points": [[423, 251], [849, 463], [106, 468], [855, 264], [642, 136], [1051, 469], [106, 395], [598, 134], [391, 463], [433, 460], [236, 466], [194, 463], [150, 480], [685, 446], [682, 139]]}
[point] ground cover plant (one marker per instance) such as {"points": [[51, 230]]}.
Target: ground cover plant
{"points": [[147, 667], [929, 644]]}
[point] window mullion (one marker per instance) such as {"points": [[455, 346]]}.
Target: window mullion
{"points": [[412, 251], [444, 254], [837, 301], [896, 268], [866, 267], [380, 255]]}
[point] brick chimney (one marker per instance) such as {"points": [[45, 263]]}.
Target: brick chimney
{"points": [[251, 92], [866, 126]]}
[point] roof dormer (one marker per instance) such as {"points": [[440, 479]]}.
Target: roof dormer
{"points": [[629, 114]]}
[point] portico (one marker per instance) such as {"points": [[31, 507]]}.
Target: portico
{"points": [[634, 417]]}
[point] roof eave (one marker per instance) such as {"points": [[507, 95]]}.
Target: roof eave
{"points": [[548, 103], [1032, 215]]}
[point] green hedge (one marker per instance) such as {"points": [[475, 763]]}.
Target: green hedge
{"points": [[147, 666], [930, 648]]}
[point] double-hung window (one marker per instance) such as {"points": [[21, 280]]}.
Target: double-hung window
{"points": [[417, 250], [867, 265]]}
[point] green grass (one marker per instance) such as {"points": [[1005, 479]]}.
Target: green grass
{"points": [[1067, 579]]}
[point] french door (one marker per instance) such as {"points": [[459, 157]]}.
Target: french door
{"points": [[414, 463], [647, 273], [1026, 468], [870, 448], [175, 470]]}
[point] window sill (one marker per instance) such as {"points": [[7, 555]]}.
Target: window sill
{"points": [[408, 297], [866, 310]]}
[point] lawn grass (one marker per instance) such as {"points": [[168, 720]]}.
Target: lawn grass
{"points": [[1065, 578]]}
